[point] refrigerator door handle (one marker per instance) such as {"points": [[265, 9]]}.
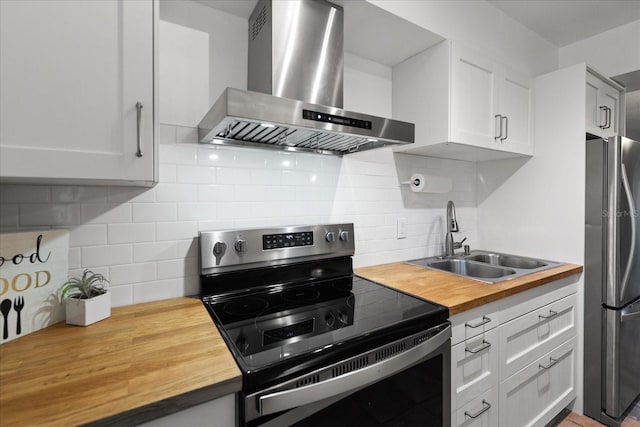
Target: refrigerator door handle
{"points": [[634, 215], [631, 312]]}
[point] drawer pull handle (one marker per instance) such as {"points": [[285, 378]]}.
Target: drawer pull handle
{"points": [[549, 316], [485, 345], [485, 407], [552, 362], [484, 321]]}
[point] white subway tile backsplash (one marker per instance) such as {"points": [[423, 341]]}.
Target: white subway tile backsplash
{"points": [[131, 233], [132, 273], [130, 194], [155, 291], [88, 235], [216, 193], [24, 194], [183, 154], [156, 251], [196, 174], [166, 192], [63, 194], [211, 155], [121, 295], [178, 268], [145, 239], [151, 212], [176, 230], [49, 214], [196, 211], [106, 213], [107, 255]]}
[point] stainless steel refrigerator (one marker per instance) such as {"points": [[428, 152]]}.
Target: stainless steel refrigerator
{"points": [[612, 279]]}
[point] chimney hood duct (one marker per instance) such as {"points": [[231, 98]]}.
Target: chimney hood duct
{"points": [[295, 82]]}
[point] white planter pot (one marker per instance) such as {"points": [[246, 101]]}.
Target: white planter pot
{"points": [[84, 312]]}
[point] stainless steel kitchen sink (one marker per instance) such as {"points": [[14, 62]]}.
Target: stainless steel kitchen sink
{"points": [[489, 267], [512, 261]]}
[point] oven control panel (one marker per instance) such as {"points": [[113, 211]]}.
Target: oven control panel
{"points": [[286, 240], [230, 250]]}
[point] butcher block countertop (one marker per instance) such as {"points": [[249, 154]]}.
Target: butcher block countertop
{"points": [[458, 293], [145, 361]]}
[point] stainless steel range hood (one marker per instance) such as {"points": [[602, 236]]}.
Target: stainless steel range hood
{"points": [[295, 81]]}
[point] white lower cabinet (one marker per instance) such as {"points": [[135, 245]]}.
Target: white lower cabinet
{"points": [[513, 361], [537, 393], [483, 411]]}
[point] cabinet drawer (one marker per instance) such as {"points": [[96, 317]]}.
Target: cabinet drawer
{"points": [[531, 300], [537, 393], [469, 324], [474, 367], [528, 337], [479, 412]]}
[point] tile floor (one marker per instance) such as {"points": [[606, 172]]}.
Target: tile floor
{"points": [[575, 420]]}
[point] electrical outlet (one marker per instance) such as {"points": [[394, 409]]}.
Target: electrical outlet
{"points": [[402, 228]]}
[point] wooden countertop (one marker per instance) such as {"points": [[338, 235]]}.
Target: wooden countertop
{"points": [[144, 361], [458, 293]]}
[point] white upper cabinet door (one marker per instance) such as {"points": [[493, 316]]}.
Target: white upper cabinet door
{"points": [[602, 113], [71, 76], [516, 113], [474, 98]]}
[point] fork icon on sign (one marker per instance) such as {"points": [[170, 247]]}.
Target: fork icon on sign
{"points": [[18, 305]]}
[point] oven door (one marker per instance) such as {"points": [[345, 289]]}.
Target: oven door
{"points": [[405, 383]]}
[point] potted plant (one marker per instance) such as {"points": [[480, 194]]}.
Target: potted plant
{"points": [[87, 298]]}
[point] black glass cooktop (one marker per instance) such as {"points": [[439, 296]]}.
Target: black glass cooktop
{"points": [[280, 330]]}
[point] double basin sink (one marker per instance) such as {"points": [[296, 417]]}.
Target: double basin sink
{"points": [[490, 267]]}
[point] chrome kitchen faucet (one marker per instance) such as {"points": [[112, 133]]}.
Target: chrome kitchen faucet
{"points": [[452, 227]]}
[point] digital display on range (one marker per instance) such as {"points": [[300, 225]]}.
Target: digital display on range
{"points": [[330, 118], [287, 240], [286, 332]]}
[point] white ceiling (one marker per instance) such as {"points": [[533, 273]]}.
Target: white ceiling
{"points": [[563, 22], [560, 22]]}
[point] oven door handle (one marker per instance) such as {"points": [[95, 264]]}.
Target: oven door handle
{"points": [[352, 381]]}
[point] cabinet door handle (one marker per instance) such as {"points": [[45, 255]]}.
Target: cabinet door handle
{"points": [[506, 127], [608, 123], [548, 316], [139, 130], [484, 321], [485, 345], [600, 118], [552, 362], [485, 407], [498, 127]]}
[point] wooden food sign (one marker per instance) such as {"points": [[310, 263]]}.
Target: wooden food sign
{"points": [[33, 265]]}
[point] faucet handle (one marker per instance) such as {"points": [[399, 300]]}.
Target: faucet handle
{"points": [[458, 245]]}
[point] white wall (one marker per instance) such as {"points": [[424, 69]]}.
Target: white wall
{"points": [[482, 26], [144, 240], [613, 52]]}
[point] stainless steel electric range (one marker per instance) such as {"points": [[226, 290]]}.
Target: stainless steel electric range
{"points": [[316, 344]]}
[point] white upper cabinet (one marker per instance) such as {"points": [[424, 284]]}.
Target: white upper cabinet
{"points": [[603, 106], [77, 92], [465, 106]]}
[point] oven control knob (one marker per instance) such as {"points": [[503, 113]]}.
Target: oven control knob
{"points": [[330, 237], [343, 318], [330, 319], [344, 236], [240, 246], [219, 248]]}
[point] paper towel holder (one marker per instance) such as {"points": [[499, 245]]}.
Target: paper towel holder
{"points": [[420, 183]]}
